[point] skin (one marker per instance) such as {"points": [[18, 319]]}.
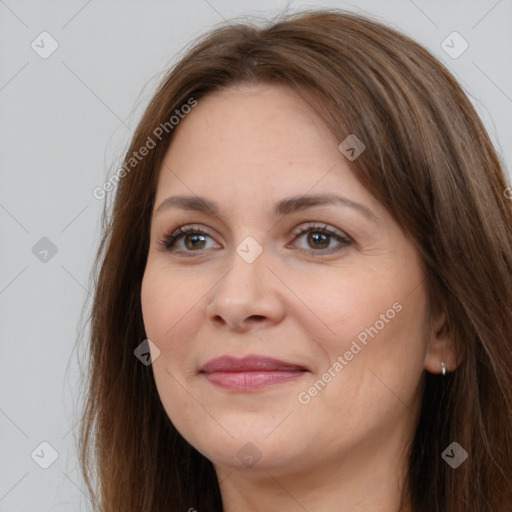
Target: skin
{"points": [[302, 300]]}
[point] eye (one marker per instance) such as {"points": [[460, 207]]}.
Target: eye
{"points": [[320, 236], [193, 237]]}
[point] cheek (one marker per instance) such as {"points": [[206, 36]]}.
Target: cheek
{"points": [[152, 304], [341, 310], [165, 302], [375, 319], [171, 310], [166, 312]]}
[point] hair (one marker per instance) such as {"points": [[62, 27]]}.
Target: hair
{"points": [[428, 160]]}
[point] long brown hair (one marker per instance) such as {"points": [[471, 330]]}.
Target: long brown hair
{"points": [[430, 162]]}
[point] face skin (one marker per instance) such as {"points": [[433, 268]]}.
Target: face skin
{"points": [[305, 299]]}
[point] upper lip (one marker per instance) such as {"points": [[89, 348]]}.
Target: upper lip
{"points": [[248, 364]]}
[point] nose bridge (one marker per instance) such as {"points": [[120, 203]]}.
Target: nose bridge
{"points": [[246, 290], [247, 266]]}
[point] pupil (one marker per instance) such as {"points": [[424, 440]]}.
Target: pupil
{"points": [[196, 238], [315, 238]]}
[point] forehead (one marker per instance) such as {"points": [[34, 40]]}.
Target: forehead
{"points": [[250, 119], [255, 142], [248, 133]]}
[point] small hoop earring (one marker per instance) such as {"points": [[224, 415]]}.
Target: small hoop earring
{"points": [[443, 368]]}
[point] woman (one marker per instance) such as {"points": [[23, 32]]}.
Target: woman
{"points": [[310, 243]]}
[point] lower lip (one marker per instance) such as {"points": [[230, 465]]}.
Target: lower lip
{"points": [[249, 381]]}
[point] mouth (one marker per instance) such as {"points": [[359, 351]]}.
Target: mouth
{"points": [[250, 373]]}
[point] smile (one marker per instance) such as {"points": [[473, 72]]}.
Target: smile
{"points": [[250, 373]]}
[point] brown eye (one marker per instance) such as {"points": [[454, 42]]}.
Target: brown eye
{"points": [[319, 238], [194, 241]]}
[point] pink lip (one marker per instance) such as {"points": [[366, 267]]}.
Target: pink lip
{"points": [[249, 373]]}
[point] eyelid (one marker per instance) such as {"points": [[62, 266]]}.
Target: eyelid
{"points": [[321, 226], [172, 237], [168, 243]]}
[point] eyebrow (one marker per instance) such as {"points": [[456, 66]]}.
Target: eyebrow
{"points": [[283, 207]]}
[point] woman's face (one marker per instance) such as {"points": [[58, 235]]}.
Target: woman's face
{"points": [[345, 312]]}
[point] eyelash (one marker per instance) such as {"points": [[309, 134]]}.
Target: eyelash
{"points": [[169, 240]]}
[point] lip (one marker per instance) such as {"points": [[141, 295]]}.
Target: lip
{"points": [[250, 372]]}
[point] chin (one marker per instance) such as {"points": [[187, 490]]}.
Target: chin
{"points": [[250, 449]]}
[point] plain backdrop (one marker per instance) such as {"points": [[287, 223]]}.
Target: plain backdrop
{"points": [[66, 120]]}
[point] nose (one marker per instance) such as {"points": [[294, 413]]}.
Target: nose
{"points": [[247, 297]]}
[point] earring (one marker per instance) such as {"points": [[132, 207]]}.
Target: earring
{"points": [[443, 368]]}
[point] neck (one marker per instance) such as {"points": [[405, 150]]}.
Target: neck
{"points": [[369, 478]]}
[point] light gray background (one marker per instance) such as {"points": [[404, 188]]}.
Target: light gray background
{"points": [[65, 123]]}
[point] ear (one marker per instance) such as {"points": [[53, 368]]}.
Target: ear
{"points": [[441, 346]]}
